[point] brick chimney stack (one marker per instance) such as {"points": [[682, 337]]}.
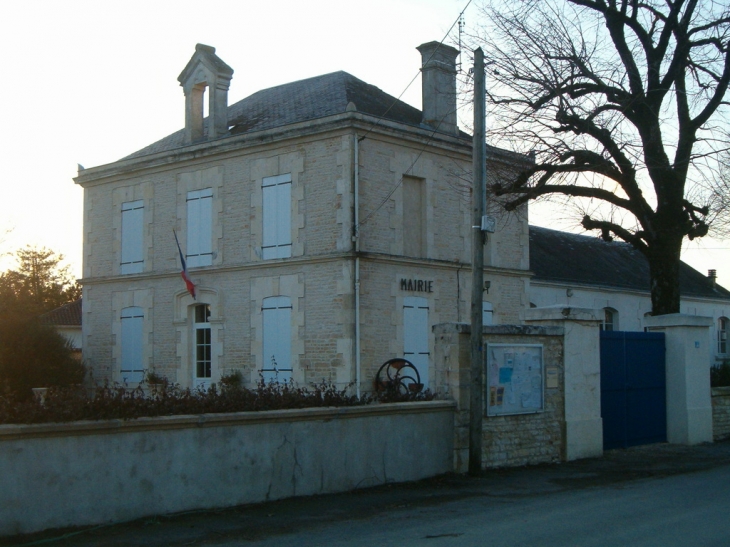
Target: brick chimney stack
{"points": [[438, 77]]}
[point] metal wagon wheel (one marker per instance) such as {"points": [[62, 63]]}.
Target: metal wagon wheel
{"points": [[398, 375]]}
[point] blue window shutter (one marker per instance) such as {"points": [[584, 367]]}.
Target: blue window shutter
{"points": [[199, 251], [131, 368], [277, 364], [132, 256]]}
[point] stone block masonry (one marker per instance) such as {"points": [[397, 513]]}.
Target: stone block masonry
{"points": [[509, 440], [721, 413]]}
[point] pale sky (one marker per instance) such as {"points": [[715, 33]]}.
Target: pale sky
{"points": [[89, 82]]}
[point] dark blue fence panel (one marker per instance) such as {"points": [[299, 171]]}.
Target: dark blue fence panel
{"points": [[633, 389]]}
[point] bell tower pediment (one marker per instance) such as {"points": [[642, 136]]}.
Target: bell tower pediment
{"points": [[205, 73]]}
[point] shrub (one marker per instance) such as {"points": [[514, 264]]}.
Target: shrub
{"points": [[63, 404], [720, 374], [35, 355], [232, 380]]}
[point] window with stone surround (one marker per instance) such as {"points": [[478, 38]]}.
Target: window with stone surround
{"points": [[277, 362], [199, 229], [132, 244], [416, 333], [276, 240], [722, 328], [414, 216], [202, 350], [131, 367]]}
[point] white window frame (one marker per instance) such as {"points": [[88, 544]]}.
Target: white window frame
{"points": [[276, 314], [132, 238], [612, 325], [276, 239], [131, 368], [202, 350], [199, 251], [722, 328]]}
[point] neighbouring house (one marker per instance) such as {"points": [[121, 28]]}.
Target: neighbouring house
{"points": [[583, 271], [67, 321], [326, 228]]}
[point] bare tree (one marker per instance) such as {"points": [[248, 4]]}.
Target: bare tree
{"points": [[622, 103]]}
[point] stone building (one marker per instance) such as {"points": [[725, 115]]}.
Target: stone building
{"points": [[585, 272], [325, 224]]}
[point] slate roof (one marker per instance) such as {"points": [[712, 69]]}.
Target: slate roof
{"points": [[571, 258], [301, 101], [67, 315]]}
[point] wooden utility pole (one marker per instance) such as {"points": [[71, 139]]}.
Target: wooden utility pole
{"points": [[479, 153]]}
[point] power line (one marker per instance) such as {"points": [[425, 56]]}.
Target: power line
{"points": [[430, 137], [417, 73]]}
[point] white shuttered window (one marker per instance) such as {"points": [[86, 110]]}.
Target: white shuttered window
{"points": [[132, 369], [132, 260], [416, 334], [276, 216], [276, 311], [200, 225], [487, 313]]}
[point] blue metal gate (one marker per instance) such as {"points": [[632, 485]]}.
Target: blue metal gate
{"points": [[633, 388]]}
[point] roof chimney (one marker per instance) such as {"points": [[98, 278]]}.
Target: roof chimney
{"points": [[438, 77], [712, 276], [205, 70]]}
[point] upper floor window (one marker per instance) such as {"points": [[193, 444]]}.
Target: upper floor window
{"points": [[414, 216], [132, 256], [276, 241], [610, 319], [200, 224], [722, 327]]}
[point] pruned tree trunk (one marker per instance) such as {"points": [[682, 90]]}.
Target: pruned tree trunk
{"points": [[664, 259]]}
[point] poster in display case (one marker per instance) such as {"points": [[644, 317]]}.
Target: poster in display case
{"points": [[514, 379]]}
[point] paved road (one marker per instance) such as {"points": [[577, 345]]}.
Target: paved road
{"points": [[685, 510], [647, 496]]}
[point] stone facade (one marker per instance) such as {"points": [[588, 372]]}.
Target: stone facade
{"points": [[407, 190], [721, 413]]}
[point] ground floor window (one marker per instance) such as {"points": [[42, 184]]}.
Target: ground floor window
{"points": [[131, 369], [416, 334], [487, 313], [722, 327], [203, 367], [610, 319], [276, 312]]}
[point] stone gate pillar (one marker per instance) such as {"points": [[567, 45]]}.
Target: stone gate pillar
{"points": [[582, 376], [689, 398]]}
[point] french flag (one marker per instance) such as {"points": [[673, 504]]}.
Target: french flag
{"points": [[184, 273]]}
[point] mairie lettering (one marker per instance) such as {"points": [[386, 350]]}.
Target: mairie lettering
{"points": [[416, 285]]}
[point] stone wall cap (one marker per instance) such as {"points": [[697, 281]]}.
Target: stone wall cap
{"points": [[677, 320], [223, 419]]}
